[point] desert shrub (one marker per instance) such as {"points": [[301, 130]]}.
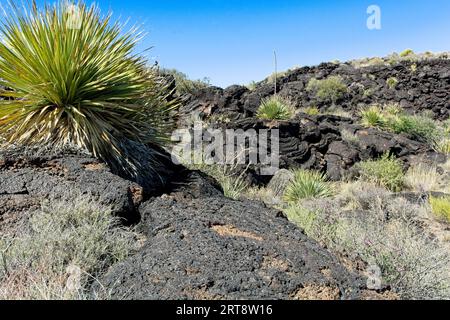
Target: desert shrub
{"points": [[373, 116], [349, 136], [183, 84], [413, 264], [252, 85], [417, 127], [386, 172], [392, 117], [441, 207], [330, 89], [275, 108], [307, 184], [312, 111], [233, 182], [392, 82], [406, 53], [413, 68], [422, 178], [61, 250], [79, 85], [443, 145]]}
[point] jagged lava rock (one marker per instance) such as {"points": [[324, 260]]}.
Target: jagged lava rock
{"points": [[201, 245]]}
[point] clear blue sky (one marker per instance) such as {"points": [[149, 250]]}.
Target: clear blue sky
{"points": [[232, 41]]}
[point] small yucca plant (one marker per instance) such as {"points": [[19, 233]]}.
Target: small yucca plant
{"points": [[373, 117], [307, 184], [73, 78], [275, 108]]}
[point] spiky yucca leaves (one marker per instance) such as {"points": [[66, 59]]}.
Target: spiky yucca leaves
{"points": [[307, 184], [275, 108], [74, 79]]}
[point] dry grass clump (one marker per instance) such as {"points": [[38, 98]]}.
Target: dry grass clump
{"points": [[61, 251], [423, 178], [382, 230]]}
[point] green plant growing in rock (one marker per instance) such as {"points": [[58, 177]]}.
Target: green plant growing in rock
{"points": [[183, 84], [307, 184], [275, 108], [373, 116], [392, 83], [330, 89], [386, 172], [79, 82], [418, 127], [441, 207], [391, 117], [312, 111], [406, 53]]}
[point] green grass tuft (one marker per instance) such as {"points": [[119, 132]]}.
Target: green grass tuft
{"points": [[276, 108], [441, 207], [307, 184]]}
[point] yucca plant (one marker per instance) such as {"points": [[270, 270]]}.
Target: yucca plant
{"points": [[307, 184], [373, 117], [275, 108], [73, 77]]}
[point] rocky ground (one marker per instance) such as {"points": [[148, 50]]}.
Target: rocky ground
{"points": [[195, 243]]}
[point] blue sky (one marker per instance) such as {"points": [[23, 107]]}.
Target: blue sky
{"points": [[232, 41]]}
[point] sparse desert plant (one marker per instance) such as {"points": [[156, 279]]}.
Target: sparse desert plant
{"points": [[441, 207], [276, 108], [406, 53], [373, 117], [393, 109], [392, 82], [61, 250], [386, 172], [183, 84], [307, 184], [413, 264], [422, 178], [413, 68], [330, 89], [312, 111], [349, 136], [252, 85], [79, 85], [443, 145]]}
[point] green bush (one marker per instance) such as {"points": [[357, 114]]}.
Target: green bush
{"points": [[392, 82], [406, 53], [417, 127], [183, 84], [391, 117], [330, 89], [275, 108], [76, 79], [312, 111], [441, 207], [373, 117], [386, 172], [307, 184]]}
